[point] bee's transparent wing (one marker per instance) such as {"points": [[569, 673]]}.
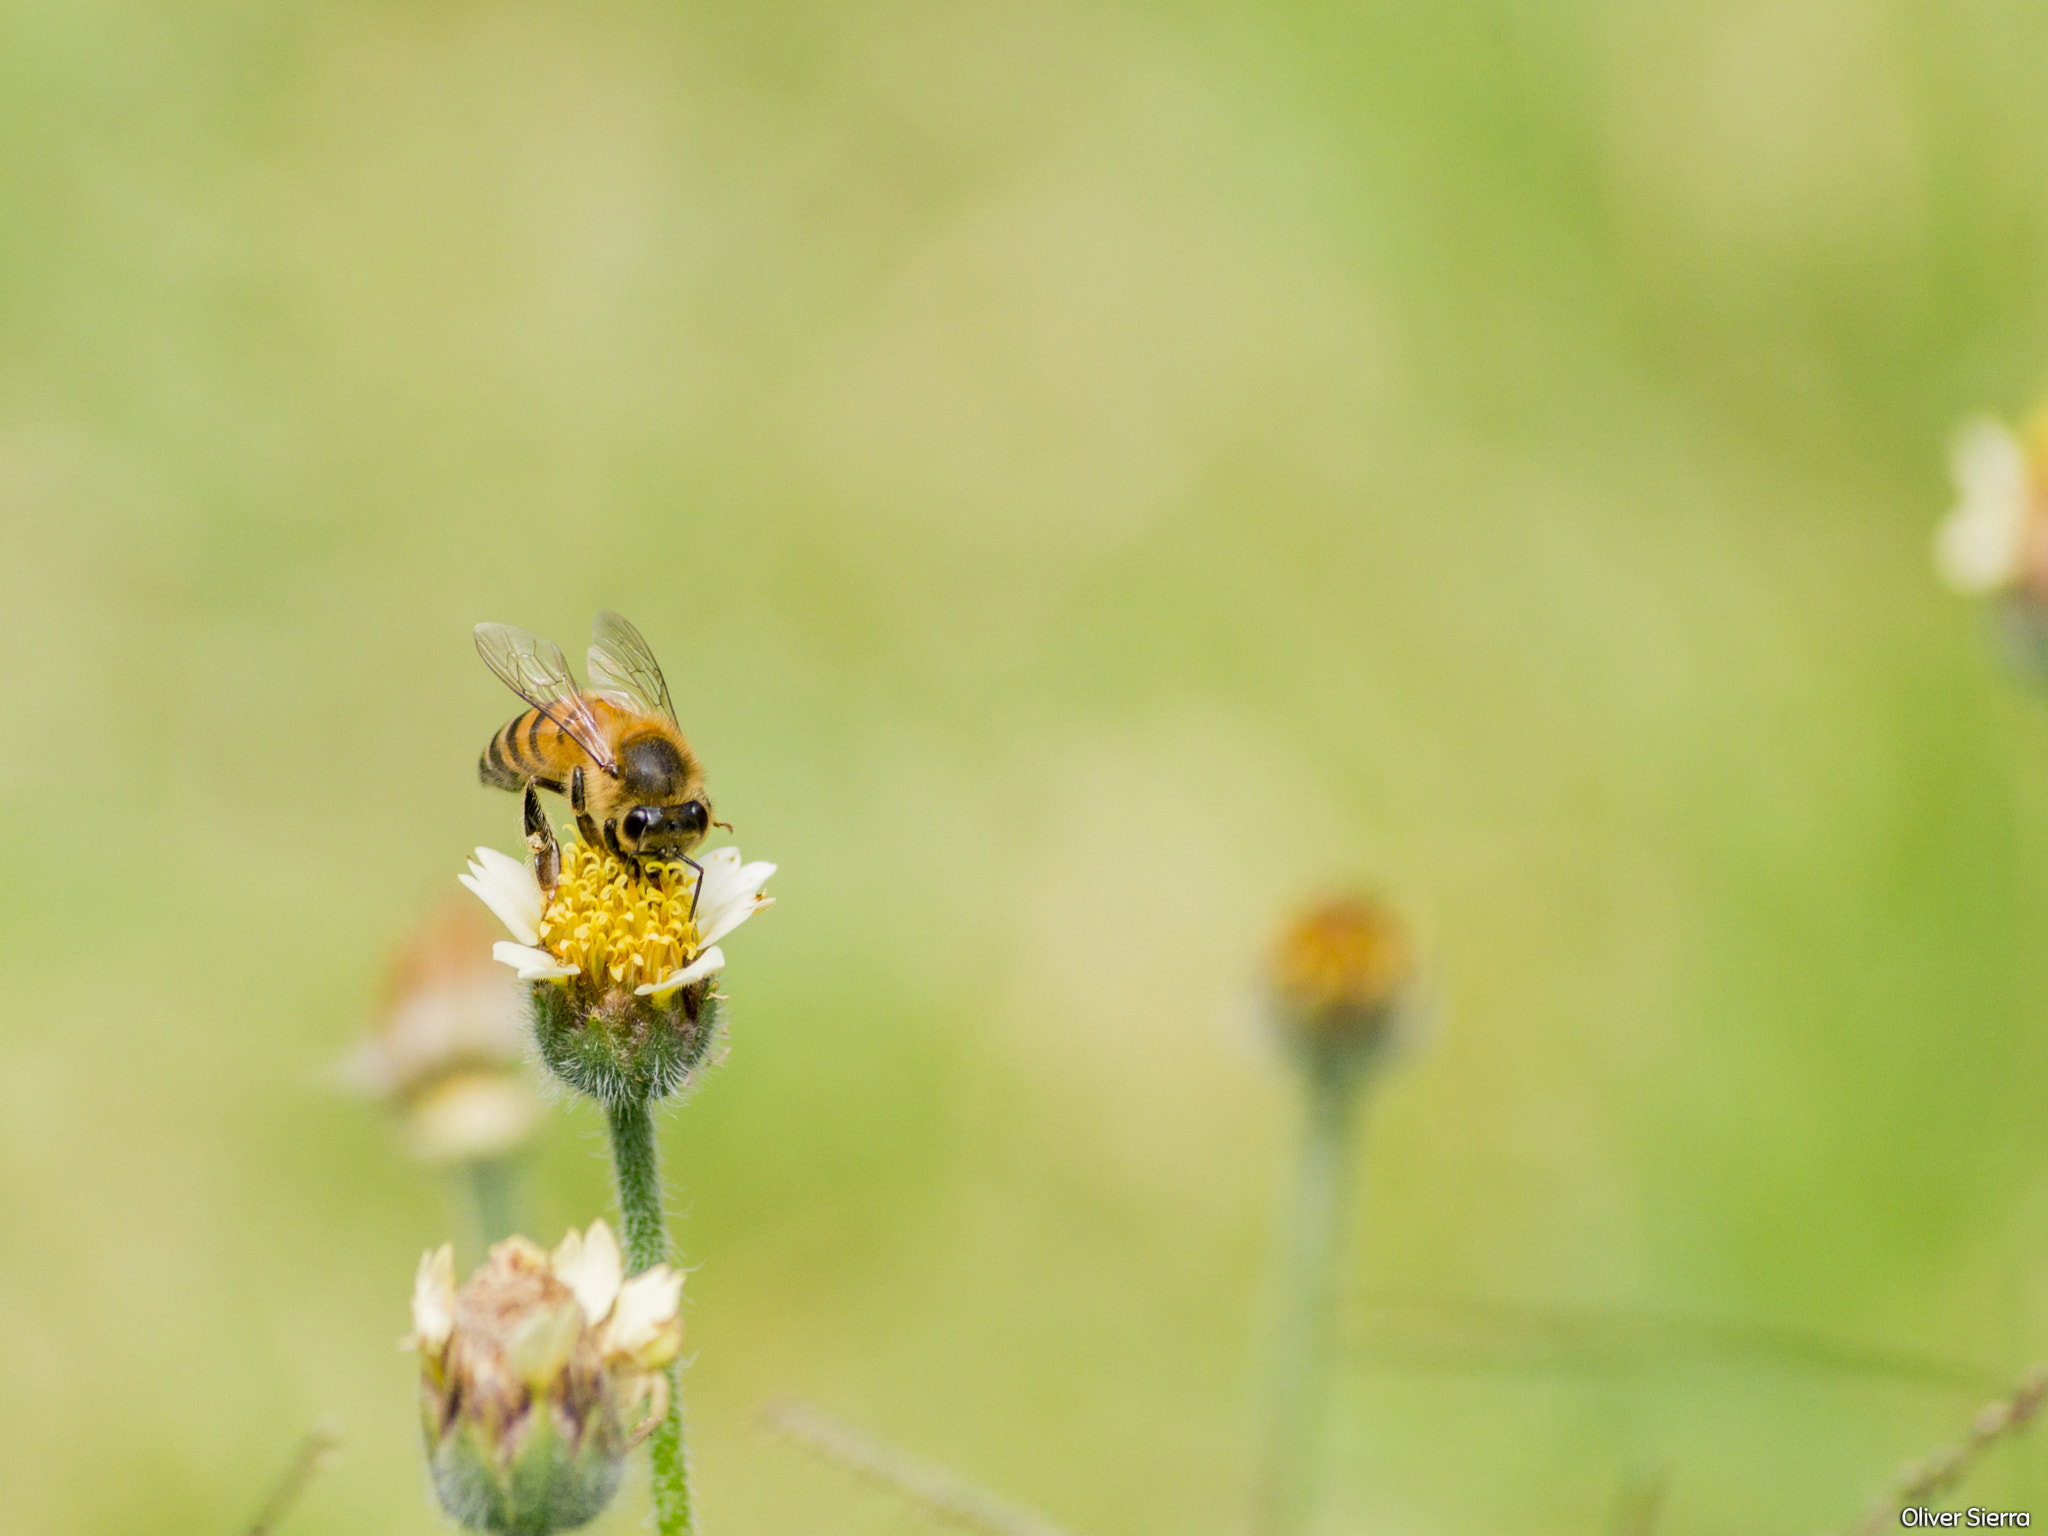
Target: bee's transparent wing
{"points": [[624, 669], [537, 671]]}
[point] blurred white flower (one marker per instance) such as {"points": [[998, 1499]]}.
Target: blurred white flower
{"points": [[447, 1049], [1982, 545]]}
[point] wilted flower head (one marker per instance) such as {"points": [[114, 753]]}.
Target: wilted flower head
{"points": [[620, 968], [447, 1048], [1996, 538], [1343, 977], [537, 1375]]}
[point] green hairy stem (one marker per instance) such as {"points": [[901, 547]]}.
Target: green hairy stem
{"points": [[643, 1232]]}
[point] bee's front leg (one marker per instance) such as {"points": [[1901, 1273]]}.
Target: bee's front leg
{"points": [[696, 887], [540, 840]]}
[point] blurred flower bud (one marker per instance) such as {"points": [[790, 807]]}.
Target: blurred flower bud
{"points": [[621, 968], [538, 1375], [447, 1049], [1995, 542], [1984, 544], [1343, 980]]}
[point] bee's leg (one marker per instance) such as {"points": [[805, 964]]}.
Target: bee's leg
{"points": [[587, 830], [697, 887], [611, 841], [540, 838], [576, 790]]}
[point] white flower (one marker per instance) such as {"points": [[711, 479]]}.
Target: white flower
{"points": [[527, 1409], [1981, 546], [672, 947]]}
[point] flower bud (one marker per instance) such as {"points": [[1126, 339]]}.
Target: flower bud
{"points": [[446, 1051], [1343, 980], [621, 959], [536, 1377]]}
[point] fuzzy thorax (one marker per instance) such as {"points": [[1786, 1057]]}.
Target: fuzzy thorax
{"points": [[447, 1050]]}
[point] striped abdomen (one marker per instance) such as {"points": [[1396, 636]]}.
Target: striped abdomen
{"points": [[531, 749]]}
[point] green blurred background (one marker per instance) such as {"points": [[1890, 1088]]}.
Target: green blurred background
{"points": [[1096, 476]]}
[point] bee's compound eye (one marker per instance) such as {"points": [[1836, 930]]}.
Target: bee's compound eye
{"points": [[638, 820], [694, 817]]}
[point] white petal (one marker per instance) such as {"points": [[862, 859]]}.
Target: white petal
{"points": [[733, 916], [509, 889], [1980, 546], [708, 963], [720, 864], [731, 892], [516, 874], [507, 911], [589, 1265], [646, 1310], [532, 964], [720, 861], [433, 1299]]}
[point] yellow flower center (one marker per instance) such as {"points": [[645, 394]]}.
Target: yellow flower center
{"points": [[624, 927], [1352, 954]]}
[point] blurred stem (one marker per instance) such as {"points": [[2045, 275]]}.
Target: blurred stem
{"points": [[493, 1187], [1939, 1472], [1640, 1502], [943, 1494], [1290, 1445], [311, 1458], [636, 1161]]}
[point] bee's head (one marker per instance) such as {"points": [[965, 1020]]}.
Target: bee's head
{"points": [[664, 831]]}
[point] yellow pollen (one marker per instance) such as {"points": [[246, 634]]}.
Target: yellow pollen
{"points": [[620, 926]]}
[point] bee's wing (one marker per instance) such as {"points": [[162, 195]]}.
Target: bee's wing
{"points": [[622, 666], [536, 670]]}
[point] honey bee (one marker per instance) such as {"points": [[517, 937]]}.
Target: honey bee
{"points": [[614, 749]]}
